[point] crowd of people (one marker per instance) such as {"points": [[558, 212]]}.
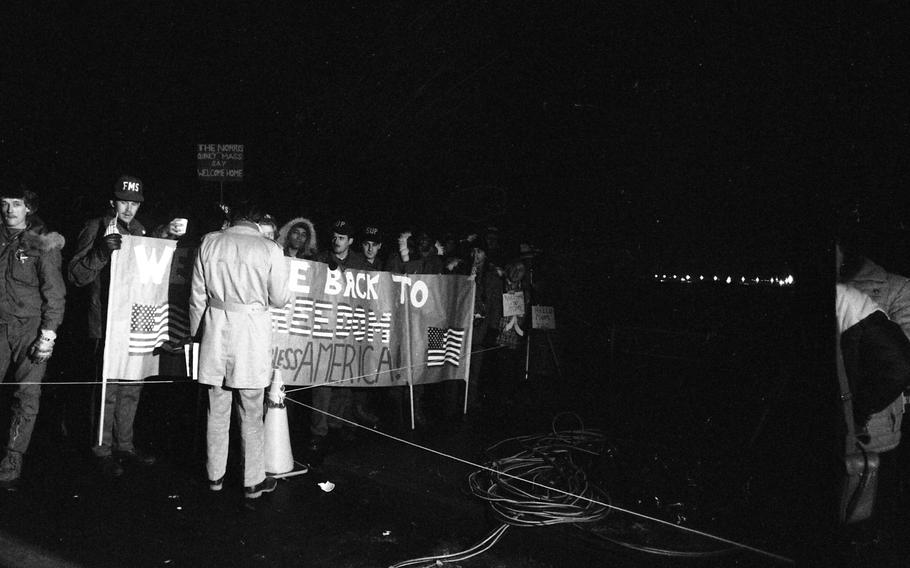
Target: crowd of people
{"points": [[38, 267]]}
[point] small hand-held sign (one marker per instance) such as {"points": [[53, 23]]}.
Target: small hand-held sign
{"points": [[543, 317], [513, 304]]}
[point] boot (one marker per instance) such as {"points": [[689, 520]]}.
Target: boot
{"points": [[10, 469]]}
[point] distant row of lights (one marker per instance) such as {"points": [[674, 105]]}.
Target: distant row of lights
{"points": [[741, 280]]}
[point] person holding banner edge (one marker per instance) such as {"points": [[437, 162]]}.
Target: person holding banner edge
{"points": [[237, 275], [90, 266], [334, 400], [31, 309]]}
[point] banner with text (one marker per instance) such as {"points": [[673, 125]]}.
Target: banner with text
{"points": [[350, 328], [219, 162], [147, 306]]}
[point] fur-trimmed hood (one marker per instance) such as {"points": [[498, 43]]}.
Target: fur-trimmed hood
{"points": [[37, 239], [310, 248]]}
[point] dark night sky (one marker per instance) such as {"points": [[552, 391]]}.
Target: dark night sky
{"points": [[706, 135]]}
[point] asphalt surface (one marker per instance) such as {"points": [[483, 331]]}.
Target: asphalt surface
{"points": [[400, 494]]}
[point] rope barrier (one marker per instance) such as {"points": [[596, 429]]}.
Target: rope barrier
{"points": [[186, 380], [191, 380], [550, 488], [340, 381], [498, 532]]}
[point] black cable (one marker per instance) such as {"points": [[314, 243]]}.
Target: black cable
{"points": [[543, 482], [516, 490]]}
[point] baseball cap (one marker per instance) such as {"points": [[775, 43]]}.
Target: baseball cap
{"points": [[342, 227], [371, 233], [128, 188]]}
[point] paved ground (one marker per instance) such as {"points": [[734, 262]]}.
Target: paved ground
{"points": [[392, 501], [664, 453]]}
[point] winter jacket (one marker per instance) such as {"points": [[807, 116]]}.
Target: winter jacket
{"points": [[416, 264], [310, 248], [33, 285], [890, 291], [352, 260], [359, 262], [487, 306], [875, 350], [90, 267], [237, 275]]}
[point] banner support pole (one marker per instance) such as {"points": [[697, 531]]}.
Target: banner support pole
{"points": [[111, 229], [101, 419], [527, 353], [411, 400], [470, 342]]}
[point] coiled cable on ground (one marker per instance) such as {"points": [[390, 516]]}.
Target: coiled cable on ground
{"points": [[542, 482]]}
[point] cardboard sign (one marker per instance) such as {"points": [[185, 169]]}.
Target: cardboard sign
{"points": [[543, 317], [513, 304], [219, 162]]}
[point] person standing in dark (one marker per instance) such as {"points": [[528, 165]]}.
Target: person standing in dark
{"points": [[512, 337], [371, 244], [238, 274], [363, 399], [31, 309], [416, 255], [90, 266], [890, 292], [297, 238], [487, 314], [268, 227], [333, 400]]}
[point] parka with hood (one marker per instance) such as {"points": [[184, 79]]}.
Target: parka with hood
{"points": [[33, 281], [310, 247], [32, 301]]}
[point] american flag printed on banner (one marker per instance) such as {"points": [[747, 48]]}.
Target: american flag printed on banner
{"points": [[444, 346], [151, 325]]}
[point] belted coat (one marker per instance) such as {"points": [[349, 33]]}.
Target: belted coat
{"points": [[237, 275]]}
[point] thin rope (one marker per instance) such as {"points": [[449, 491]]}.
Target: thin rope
{"points": [[186, 380], [190, 380], [339, 381], [551, 488], [442, 454]]}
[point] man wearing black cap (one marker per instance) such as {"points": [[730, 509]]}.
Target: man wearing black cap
{"points": [[339, 257], [363, 398], [370, 244], [90, 266]]}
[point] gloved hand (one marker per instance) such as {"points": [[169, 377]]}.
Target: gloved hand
{"points": [[109, 243], [43, 347]]}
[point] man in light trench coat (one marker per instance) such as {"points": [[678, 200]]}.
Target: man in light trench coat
{"points": [[237, 275]]}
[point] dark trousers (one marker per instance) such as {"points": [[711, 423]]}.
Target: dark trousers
{"points": [[15, 339], [120, 403]]}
